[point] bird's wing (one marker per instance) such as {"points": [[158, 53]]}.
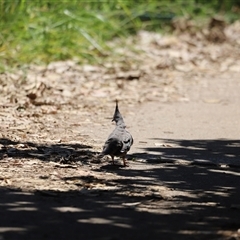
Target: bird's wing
{"points": [[127, 141]]}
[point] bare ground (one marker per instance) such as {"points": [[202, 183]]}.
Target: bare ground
{"points": [[184, 167]]}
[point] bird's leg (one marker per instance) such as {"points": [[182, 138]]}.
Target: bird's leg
{"points": [[124, 162], [113, 160]]}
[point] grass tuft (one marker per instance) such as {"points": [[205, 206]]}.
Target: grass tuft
{"points": [[39, 31]]}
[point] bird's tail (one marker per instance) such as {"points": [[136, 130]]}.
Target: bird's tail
{"points": [[111, 147]]}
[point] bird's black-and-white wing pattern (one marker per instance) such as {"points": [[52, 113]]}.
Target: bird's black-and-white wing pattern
{"points": [[127, 142]]}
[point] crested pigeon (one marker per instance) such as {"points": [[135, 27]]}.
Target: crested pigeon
{"points": [[119, 141]]}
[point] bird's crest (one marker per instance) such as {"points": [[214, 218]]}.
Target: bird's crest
{"points": [[117, 117]]}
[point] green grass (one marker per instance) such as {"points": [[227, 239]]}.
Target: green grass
{"points": [[42, 31]]}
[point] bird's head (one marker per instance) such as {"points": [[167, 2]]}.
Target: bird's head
{"points": [[117, 117]]}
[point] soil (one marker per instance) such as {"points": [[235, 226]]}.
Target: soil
{"points": [[182, 181]]}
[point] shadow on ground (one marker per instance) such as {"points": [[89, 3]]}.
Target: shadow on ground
{"points": [[59, 152], [155, 199], [214, 151]]}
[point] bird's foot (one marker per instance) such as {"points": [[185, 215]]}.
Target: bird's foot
{"points": [[125, 163]]}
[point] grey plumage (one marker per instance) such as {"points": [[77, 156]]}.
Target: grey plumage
{"points": [[119, 141]]}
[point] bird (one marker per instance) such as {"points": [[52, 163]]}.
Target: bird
{"points": [[119, 141]]}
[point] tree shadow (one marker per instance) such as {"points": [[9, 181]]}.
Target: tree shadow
{"points": [[192, 209], [215, 151], [152, 199], [59, 152]]}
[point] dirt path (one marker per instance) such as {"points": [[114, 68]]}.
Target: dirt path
{"points": [[180, 99], [182, 182]]}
